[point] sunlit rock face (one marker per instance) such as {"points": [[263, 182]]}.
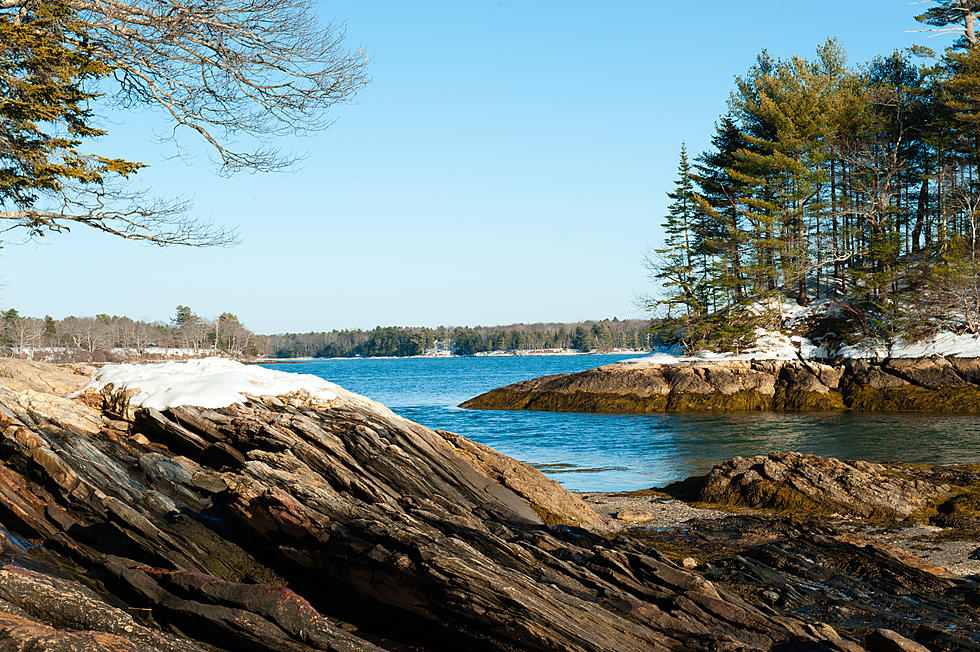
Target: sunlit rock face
{"points": [[926, 384], [326, 522]]}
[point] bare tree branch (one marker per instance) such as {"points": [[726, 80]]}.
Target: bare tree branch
{"points": [[235, 73], [132, 215], [239, 74]]}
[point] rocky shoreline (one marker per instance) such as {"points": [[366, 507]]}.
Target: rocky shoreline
{"points": [[935, 384], [300, 523], [857, 545]]}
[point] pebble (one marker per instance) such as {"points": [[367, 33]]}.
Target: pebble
{"points": [[770, 597], [634, 516]]}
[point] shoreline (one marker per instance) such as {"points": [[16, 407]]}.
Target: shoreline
{"points": [[481, 354], [307, 489]]}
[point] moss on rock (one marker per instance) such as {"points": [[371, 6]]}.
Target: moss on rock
{"points": [[912, 398]]}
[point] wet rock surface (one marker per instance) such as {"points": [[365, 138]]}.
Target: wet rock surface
{"points": [[925, 384], [947, 496], [290, 524]]}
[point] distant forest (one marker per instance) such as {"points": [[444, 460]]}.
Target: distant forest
{"points": [[602, 335], [825, 180], [106, 338]]}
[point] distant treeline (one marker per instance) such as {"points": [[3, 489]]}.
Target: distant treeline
{"points": [[405, 341], [113, 338]]}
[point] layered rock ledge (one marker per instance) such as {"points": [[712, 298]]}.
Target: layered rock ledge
{"points": [[926, 384], [312, 523]]}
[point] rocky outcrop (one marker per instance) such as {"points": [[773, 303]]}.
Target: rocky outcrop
{"points": [[544, 495], [798, 483], [807, 535], [927, 384], [810, 486], [290, 523]]}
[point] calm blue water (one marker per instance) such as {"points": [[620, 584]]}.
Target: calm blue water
{"points": [[603, 452]]}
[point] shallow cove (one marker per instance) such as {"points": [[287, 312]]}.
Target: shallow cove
{"points": [[605, 452]]}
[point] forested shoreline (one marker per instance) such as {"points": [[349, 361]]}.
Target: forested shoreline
{"points": [[111, 338], [827, 181], [604, 335]]}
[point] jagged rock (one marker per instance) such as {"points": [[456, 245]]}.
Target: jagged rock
{"points": [[927, 384], [885, 640], [18, 375], [290, 523], [546, 497], [39, 611], [795, 482]]}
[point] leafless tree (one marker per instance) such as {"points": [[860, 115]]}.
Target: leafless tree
{"points": [[238, 74], [113, 209], [138, 335], [25, 335], [234, 337], [193, 335], [84, 334], [957, 285]]}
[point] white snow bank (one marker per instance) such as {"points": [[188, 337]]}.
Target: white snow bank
{"points": [[953, 345], [769, 345], [208, 383]]}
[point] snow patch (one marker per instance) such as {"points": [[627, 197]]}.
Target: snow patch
{"points": [[207, 383], [944, 343], [769, 345]]}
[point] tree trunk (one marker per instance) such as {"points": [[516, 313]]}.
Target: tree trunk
{"points": [[920, 214]]}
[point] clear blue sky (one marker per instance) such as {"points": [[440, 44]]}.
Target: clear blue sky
{"points": [[507, 163]]}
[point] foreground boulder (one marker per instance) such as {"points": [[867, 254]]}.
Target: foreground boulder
{"points": [[323, 522], [927, 384], [841, 541]]}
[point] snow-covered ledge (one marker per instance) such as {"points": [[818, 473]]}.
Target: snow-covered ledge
{"points": [[207, 383]]}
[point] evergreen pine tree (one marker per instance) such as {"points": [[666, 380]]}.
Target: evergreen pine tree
{"points": [[46, 115], [674, 266], [718, 205]]}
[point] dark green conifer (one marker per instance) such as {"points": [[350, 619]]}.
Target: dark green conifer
{"points": [[674, 264]]}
